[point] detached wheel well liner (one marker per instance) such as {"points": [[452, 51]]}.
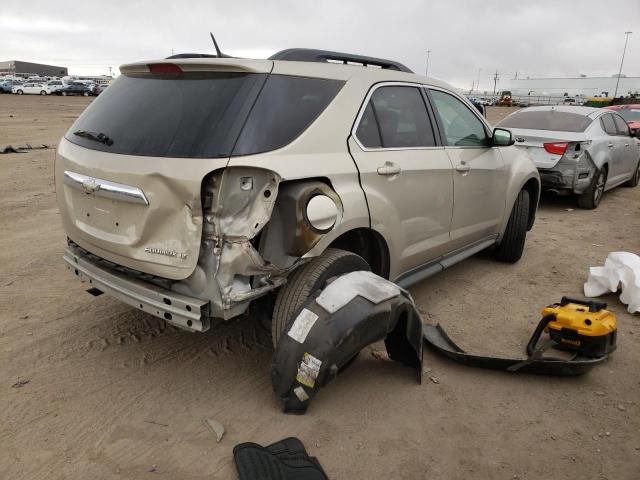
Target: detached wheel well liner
{"points": [[370, 245]]}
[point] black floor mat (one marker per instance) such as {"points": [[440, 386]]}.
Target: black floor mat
{"points": [[283, 460]]}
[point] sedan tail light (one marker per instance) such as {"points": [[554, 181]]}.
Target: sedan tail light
{"points": [[556, 148]]}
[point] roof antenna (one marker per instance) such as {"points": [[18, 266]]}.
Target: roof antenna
{"points": [[215, 44]]}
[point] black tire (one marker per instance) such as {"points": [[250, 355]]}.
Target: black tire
{"points": [[592, 196], [308, 279], [42, 92], [512, 244], [633, 182], [19, 92], [85, 94], [64, 94]]}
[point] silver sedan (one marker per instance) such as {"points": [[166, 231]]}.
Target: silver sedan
{"points": [[577, 150]]}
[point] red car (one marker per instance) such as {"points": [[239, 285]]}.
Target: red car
{"points": [[631, 115]]}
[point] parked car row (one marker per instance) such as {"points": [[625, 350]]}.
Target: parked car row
{"points": [[57, 87], [581, 151]]}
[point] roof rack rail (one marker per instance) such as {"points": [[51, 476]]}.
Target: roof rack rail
{"points": [[324, 56]]}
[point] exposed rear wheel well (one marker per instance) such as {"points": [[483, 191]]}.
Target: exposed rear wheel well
{"points": [[369, 245], [533, 188]]}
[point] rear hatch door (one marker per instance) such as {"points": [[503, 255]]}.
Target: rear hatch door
{"points": [[129, 171]]}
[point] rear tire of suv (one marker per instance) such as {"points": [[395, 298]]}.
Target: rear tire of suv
{"points": [[512, 244], [633, 182], [307, 280], [590, 199]]}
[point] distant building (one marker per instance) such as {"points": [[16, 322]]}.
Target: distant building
{"points": [[17, 67], [583, 85]]}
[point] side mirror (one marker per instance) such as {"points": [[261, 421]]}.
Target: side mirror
{"points": [[502, 137]]}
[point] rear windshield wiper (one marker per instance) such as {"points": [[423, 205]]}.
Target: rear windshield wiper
{"points": [[97, 137]]}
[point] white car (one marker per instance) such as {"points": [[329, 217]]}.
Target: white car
{"points": [[33, 88], [55, 85]]}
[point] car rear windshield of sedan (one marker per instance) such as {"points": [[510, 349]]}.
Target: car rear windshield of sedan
{"points": [[630, 114], [547, 120], [201, 115]]}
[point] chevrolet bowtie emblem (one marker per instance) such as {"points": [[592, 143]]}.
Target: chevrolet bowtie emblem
{"points": [[90, 185]]}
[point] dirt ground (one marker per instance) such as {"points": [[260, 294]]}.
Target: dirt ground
{"points": [[92, 389]]}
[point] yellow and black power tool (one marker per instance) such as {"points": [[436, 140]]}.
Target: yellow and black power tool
{"points": [[582, 326]]}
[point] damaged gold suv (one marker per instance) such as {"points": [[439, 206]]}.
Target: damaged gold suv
{"points": [[196, 186]]}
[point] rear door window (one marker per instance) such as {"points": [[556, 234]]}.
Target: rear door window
{"points": [[551, 120], [621, 126], [402, 117], [368, 132], [608, 124], [462, 128]]}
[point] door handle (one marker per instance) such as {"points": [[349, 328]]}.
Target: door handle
{"points": [[463, 167], [389, 169], [610, 145]]}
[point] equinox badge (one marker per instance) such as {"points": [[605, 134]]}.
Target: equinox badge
{"points": [[165, 252]]}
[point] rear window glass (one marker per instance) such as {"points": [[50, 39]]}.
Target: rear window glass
{"points": [[170, 115], [202, 115], [630, 114], [286, 106], [547, 120]]}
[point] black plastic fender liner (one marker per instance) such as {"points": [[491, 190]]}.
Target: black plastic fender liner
{"points": [[359, 309], [437, 339]]}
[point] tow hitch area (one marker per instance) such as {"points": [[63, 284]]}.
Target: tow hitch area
{"points": [[353, 311]]}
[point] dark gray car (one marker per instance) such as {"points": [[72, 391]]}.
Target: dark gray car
{"points": [[577, 150]]}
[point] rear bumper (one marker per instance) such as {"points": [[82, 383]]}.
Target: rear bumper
{"points": [[180, 310], [566, 178]]}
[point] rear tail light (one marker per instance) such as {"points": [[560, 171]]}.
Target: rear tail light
{"points": [[164, 68], [556, 148]]}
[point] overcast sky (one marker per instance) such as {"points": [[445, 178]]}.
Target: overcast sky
{"points": [[541, 38]]}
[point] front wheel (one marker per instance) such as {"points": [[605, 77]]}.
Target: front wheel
{"points": [[590, 199], [307, 280], [85, 94], [633, 182], [512, 244], [19, 92], [42, 92], [64, 94]]}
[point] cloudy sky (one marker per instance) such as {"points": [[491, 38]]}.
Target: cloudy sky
{"points": [[468, 39]]}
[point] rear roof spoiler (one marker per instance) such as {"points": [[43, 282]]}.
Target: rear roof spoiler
{"points": [[325, 56], [208, 63]]}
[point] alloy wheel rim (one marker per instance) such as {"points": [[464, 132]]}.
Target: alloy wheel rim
{"points": [[599, 190]]}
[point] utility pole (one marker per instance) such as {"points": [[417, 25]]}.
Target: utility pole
{"points": [[478, 82], [626, 39], [428, 54], [495, 81], [111, 71]]}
